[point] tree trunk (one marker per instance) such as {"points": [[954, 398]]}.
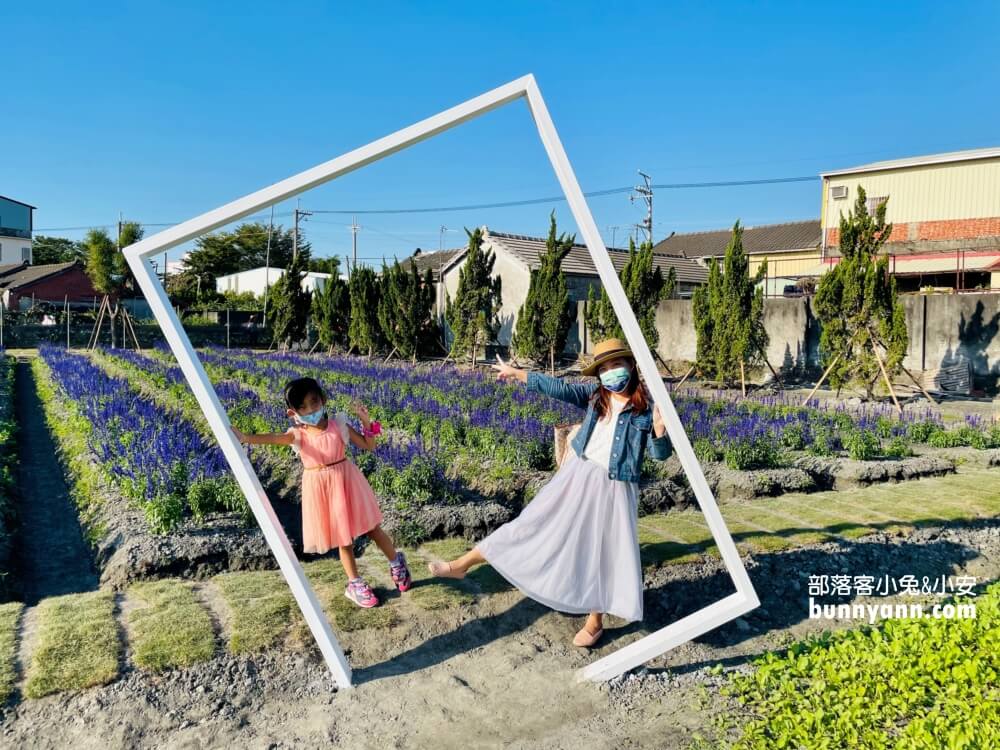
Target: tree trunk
{"points": [[114, 316]]}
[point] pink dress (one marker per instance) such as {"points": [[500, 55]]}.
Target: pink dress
{"points": [[338, 504]]}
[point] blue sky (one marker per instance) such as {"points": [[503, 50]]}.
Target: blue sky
{"points": [[163, 110]]}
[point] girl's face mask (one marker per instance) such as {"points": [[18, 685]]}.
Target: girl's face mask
{"points": [[616, 380], [311, 419]]}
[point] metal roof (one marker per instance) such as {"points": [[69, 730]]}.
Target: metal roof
{"points": [[434, 260], [770, 238], [920, 161], [31, 274]]}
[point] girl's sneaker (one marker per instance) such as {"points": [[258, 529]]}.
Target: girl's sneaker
{"points": [[400, 573], [360, 593]]}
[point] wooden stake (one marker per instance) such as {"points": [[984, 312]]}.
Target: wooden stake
{"points": [[390, 355], [910, 374], [131, 327], [885, 377], [743, 379], [825, 373], [686, 376]]}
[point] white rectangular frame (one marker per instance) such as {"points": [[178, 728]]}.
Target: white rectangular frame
{"points": [[138, 254]]}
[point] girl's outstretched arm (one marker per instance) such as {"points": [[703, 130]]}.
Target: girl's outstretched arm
{"points": [[269, 438]]}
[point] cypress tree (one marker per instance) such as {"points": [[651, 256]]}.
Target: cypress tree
{"points": [[405, 309], [858, 305], [291, 304], [704, 303], [472, 315], [364, 332], [729, 315], [644, 287], [544, 320], [331, 308]]}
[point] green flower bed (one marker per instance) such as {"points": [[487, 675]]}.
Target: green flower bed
{"points": [[906, 684]]}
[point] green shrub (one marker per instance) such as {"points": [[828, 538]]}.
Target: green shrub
{"points": [[706, 451], [752, 454], [793, 437], [862, 445], [921, 432], [898, 448]]}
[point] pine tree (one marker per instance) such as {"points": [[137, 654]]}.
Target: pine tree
{"points": [[405, 309], [472, 315], [331, 307], [644, 287], [729, 315], [364, 332], [290, 304], [544, 320], [857, 303]]}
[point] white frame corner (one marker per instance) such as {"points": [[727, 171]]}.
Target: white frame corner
{"points": [[138, 255]]}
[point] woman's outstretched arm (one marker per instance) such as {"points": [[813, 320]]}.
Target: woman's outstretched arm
{"points": [[577, 394]]}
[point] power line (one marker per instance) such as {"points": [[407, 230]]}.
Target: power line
{"points": [[550, 199], [502, 204]]}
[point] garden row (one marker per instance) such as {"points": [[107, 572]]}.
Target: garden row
{"points": [[8, 461], [454, 438], [171, 624]]}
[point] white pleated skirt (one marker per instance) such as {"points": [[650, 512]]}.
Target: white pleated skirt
{"points": [[575, 546]]}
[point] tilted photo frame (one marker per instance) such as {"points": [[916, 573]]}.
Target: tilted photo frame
{"points": [[138, 256]]}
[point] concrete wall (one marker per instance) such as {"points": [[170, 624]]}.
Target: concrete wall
{"points": [[945, 329], [790, 323]]}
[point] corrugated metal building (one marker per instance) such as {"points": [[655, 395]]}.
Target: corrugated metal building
{"points": [[945, 212]]}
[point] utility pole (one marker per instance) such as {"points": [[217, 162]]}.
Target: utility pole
{"points": [[646, 193], [354, 244], [295, 237]]}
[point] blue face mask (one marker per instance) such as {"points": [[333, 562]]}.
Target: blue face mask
{"points": [[311, 419], [615, 380]]}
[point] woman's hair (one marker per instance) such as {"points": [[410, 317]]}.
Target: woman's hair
{"points": [[638, 395], [297, 391]]}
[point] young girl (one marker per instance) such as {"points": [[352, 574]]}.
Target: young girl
{"points": [[338, 504], [575, 546]]}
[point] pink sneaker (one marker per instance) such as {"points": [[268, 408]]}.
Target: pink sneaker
{"points": [[361, 593], [400, 573]]}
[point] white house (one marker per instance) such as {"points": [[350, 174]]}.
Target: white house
{"points": [[257, 279], [516, 256], [16, 224]]}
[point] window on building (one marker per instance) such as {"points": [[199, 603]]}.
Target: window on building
{"points": [[872, 204], [26, 255]]}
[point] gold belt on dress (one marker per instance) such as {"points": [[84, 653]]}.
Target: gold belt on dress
{"points": [[324, 466]]}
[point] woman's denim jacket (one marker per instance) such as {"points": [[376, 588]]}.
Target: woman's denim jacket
{"points": [[632, 433]]}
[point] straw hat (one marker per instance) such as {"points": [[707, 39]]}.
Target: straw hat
{"points": [[604, 351]]}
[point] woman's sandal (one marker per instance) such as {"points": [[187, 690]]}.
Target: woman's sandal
{"points": [[587, 639], [443, 570]]}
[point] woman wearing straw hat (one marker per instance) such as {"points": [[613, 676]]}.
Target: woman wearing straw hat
{"points": [[575, 546]]}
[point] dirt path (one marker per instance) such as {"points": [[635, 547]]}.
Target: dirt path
{"points": [[498, 674], [51, 556]]}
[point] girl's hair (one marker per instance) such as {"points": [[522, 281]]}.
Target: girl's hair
{"points": [[638, 395], [297, 390]]}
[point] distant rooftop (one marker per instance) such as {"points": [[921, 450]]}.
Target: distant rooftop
{"points": [[920, 161], [769, 238], [578, 260]]}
